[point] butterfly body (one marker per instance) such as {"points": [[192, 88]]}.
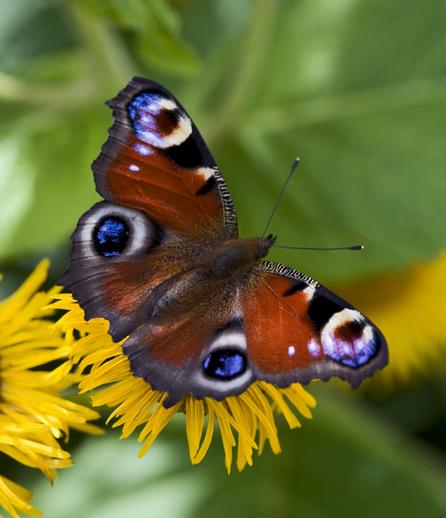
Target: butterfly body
{"points": [[237, 256], [162, 261], [227, 262]]}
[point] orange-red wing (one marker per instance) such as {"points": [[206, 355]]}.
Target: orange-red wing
{"points": [[278, 330], [155, 160], [297, 330]]}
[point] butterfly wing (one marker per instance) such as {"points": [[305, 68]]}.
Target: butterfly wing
{"points": [[166, 204], [298, 330], [155, 160]]}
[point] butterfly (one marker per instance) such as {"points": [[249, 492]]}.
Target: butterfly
{"points": [[160, 258]]}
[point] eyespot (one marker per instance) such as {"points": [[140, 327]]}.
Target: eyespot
{"points": [[225, 364], [109, 231], [111, 236], [348, 339]]}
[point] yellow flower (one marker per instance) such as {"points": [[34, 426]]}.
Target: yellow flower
{"points": [[247, 420], [33, 416], [15, 498], [410, 309]]}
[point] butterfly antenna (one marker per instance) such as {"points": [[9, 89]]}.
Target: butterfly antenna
{"points": [[352, 247], [282, 190]]}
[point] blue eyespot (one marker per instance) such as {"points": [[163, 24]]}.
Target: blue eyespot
{"points": [[224, 364], [144, 103], [111, 236], [145, 116], [352, 353]]}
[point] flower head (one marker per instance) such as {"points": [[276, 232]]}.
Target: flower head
{"points": [[33, 415], [409, 308], [246, 421]]}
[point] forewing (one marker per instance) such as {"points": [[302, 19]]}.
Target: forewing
{"points": [[155, 160], [297, 330]]}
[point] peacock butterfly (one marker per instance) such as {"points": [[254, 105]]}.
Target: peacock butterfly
{"points": [[161, 260]]}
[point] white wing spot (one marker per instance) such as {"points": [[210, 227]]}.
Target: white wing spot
{"points": [[167, 104], [309, 292], [142, 150], [206, 172], [314, 348]]}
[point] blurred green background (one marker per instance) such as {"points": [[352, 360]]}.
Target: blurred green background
{"points": [[357, 90]]}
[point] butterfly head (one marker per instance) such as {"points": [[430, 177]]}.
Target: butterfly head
{"points": [[264, 244]]}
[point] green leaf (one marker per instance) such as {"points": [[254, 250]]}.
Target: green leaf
{"points": [[30, 31], [152, 31], [109, 480], [344, 463], [47, 182]]}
